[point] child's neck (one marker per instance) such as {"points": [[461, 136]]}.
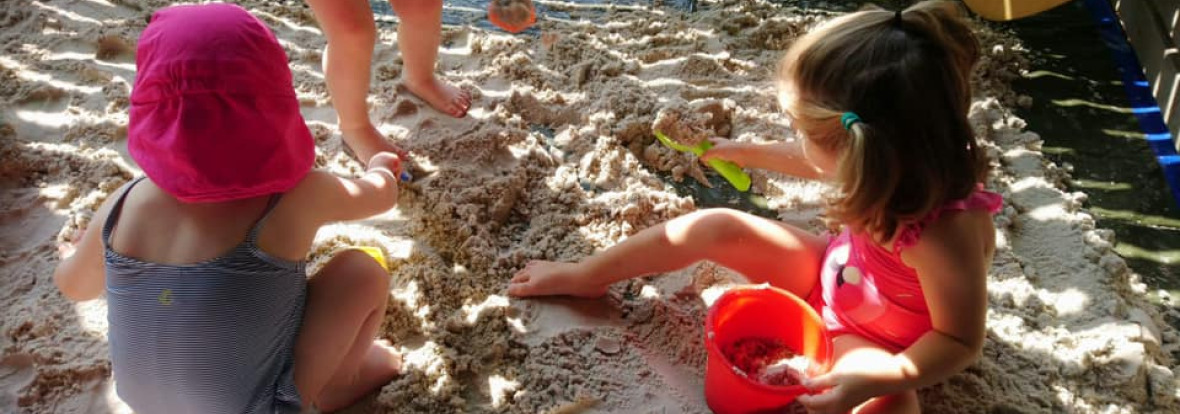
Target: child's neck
{"points": [[157, 197]]}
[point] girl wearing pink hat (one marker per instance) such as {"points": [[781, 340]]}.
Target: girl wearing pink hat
{"points": [[202, 262]]}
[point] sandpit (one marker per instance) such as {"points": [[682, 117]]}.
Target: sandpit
{"points": [[555, 161]]}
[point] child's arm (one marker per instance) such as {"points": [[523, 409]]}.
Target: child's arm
{"points": [[951, 260], [82, 275], [332, 198], [783, 157]]}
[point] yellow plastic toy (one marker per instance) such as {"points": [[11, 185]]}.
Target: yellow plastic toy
{"points": [[377, 254], [1005, 10]]}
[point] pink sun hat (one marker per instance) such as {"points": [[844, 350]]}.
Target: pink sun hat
{"points": [[214, 116]]}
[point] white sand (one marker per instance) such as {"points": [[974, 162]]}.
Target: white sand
{"points": [[1069, 328]]}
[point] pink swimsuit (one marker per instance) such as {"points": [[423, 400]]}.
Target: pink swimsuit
{"points": [[869, 291]]}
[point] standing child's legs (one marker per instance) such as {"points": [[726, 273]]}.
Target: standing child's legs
{"points": [[419, 33], [350, 31], [337, 360], [762, 250]]}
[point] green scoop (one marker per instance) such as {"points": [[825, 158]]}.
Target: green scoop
{"points": [[732, 172]]}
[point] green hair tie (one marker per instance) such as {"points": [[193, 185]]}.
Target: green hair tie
{"points": [[848, 119]]}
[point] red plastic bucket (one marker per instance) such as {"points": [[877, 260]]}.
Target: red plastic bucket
{"points": [[515, 27], [759, 312]]}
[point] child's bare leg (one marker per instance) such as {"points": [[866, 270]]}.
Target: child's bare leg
{"points": [[852, 350], [337, 360], [419, 33], [903, 403], [762, 250], [348, 26]]}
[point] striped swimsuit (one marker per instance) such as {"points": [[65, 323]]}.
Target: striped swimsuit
{"points": [[211, 337]]}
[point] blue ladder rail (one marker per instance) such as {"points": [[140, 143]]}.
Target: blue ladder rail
{"points": [[1143, 103]]}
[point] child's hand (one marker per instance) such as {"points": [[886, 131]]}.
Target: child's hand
{"points": [[512, 15], [386, 160], [857, 379], [724, 149], [66, 248]]}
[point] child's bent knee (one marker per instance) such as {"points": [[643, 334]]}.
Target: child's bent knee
{"points": [[901, 403], [358, 269], [720, 225], [908, 402]]}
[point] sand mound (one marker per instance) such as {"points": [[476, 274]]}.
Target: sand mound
{"points": [[555, 161]]}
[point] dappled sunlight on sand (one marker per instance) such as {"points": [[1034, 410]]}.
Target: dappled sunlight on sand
{"points": [[554, 162]]}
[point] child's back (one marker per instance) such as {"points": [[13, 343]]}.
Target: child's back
{"points": [[197, 304], [157, 227], [209, 304]]}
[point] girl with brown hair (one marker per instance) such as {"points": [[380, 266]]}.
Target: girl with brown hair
{"points": [[880, 99]]}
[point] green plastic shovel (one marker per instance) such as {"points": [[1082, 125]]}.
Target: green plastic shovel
{"points": [[732, 172]]}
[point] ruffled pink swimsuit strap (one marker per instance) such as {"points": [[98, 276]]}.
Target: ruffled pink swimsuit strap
{"points": [[979, 200]]}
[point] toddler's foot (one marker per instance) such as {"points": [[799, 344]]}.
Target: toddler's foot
{"points": [[444, 97], [365, 142], [540, 278], [381, 364]]}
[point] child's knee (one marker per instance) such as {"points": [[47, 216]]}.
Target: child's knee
{"points": [[718, 225], [907, 402], [359, 33], [900, 403], [411, 7], [360, 271]]}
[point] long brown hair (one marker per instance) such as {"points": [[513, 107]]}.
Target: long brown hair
{"points": [[907, 77]]}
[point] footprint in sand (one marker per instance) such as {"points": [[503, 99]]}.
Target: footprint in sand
{"points": [[404, 108], [26, 223], [426, 124], [114, 48], [455, 38], [16, 373]]}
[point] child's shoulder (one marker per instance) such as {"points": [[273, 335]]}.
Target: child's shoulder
{"points": [[313, 179], [956, 235], [968, 215], [958, 224], [316, 185], [312, 190]]}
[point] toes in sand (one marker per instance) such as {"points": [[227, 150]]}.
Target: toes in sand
{"points": [[443, 96]]}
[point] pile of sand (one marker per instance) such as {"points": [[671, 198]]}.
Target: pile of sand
{"points": [[555, 161]]}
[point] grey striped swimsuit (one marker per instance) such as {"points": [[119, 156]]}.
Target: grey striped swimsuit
{"points": [[212, 337]]}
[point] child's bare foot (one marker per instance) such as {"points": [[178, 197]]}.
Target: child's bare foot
{"points": [[381, 364], [444, 97], [366, 141], [540, 278]]}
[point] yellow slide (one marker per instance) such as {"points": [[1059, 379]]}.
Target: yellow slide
{"points": [[1004, 10]]}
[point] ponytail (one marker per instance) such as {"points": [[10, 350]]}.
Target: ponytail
{"points": [[906, 77], [868, 168]]}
